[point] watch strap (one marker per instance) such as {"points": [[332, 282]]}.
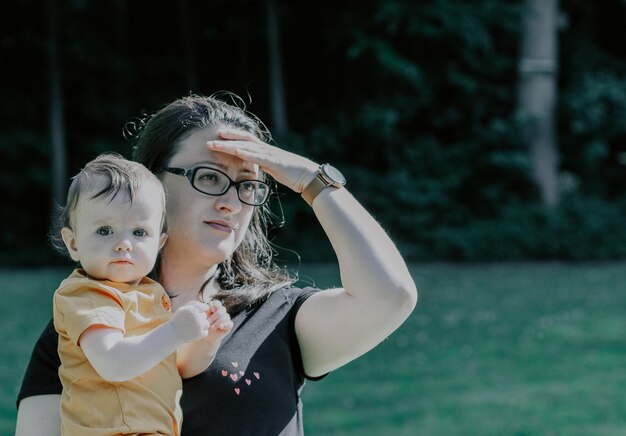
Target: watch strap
{"points": [[313, 189]]}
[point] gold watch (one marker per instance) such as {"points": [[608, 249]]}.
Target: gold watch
{"points": [[327, 177]]}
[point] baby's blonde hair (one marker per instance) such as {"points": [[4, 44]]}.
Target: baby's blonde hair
{"points": [[118, 175]]}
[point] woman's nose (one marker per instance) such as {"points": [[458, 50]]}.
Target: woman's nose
{"points": [[229, 201]]}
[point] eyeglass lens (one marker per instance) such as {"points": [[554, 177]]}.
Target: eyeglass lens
{"points": [[214, 182]]}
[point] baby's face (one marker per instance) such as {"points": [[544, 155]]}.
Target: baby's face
{"points": [[114, 239]]}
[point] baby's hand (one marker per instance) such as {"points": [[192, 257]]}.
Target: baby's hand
{"points": [[191, 321]]}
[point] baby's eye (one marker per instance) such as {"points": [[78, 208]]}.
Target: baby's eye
{"points": [[104, 231], [140, 233]]}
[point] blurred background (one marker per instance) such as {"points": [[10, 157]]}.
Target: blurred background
{"points": [[474, 130]]}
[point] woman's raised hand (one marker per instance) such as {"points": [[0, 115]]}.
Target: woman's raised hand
{"points": [[289, 169]]}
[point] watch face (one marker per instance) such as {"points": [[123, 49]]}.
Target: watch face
{"points": [[333, 175]]}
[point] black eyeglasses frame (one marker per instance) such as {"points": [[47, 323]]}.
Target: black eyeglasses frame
{"points": [[190, 174]]}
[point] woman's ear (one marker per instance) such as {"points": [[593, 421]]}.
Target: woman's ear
{"points": [[70, 242], [162, 240]]}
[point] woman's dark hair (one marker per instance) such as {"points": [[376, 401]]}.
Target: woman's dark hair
{"points": [[250, 275]]}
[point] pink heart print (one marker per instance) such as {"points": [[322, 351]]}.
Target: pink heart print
{"points": [[257, 375], [248, 381], [234, 376], [237, 390], [235, 364], [224, 373]]}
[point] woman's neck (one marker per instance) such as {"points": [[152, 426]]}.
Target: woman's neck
{"points": [[183, 280]]}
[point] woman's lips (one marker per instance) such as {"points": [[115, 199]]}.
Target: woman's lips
{"points": [[221, 226]]}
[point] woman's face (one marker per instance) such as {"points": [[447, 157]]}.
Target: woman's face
{"points": [[203, 228]]}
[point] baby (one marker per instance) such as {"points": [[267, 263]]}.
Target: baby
{"points": [[118, 340]]}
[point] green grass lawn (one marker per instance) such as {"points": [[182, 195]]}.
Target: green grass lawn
{"points": [[510, 349]]}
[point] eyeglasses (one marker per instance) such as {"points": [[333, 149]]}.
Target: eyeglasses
{"points": [[214, 182]]}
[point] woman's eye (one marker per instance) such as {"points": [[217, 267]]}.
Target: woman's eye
{"points": [[140, 233], [208, 177], [104, 231], [248, 186]]}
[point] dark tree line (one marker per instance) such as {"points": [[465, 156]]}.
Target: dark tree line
{"points": [[418, 103]]}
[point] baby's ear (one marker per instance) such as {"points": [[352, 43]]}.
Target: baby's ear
{"points": [[162, 240], [70, 242]]}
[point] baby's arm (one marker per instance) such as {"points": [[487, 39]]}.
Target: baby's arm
{"points": [[118, 359], [193, 358]]}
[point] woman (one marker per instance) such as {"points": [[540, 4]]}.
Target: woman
{"points": [[201, 147]]}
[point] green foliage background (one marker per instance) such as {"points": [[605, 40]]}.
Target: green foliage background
{"points": [[414, 101]]}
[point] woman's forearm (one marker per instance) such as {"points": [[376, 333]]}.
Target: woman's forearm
{"points": [[195, 357], [39, 416]]}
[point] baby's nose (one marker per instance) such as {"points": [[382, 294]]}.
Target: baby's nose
{"points": [[123, 245]]}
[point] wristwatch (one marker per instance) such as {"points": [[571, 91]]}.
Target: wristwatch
{"points": [[327, 177]]}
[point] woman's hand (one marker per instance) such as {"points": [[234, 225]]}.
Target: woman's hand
{"points": [[195, 357], [219, 318], [221, 324], [289, 169], [39, 416]]}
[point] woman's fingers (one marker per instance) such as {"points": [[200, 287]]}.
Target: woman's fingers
{"points": [[290, 169], [245, 151], [218, 316], [213, 306], [225, 326], [260, 153], [238, 134]]}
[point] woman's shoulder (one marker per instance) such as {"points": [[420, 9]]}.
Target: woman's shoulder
{"points": [[294, 295], [285, 299]]}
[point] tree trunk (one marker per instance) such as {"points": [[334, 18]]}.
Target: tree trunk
{"points": [[538, 92], [278, 107], [56, 121]]}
